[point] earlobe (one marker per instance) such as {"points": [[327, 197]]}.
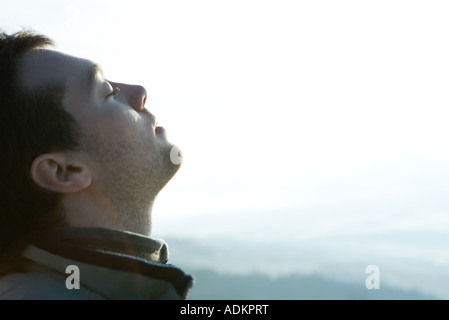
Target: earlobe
{"points": [[57, 172]]}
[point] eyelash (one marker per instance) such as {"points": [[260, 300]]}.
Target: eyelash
{"points": [[114, 92]]}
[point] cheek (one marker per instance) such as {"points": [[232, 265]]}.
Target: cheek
{"points": [[121, 125], [124, 124]]}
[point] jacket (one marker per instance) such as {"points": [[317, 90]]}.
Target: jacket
{"points": [[76, 263]]}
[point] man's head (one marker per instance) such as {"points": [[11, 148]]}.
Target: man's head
{"points": [[74, 145]]}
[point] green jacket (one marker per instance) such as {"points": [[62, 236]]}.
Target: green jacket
{"points": [[94, 263]]}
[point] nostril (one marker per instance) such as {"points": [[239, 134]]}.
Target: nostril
{"points": [[137, 97]]}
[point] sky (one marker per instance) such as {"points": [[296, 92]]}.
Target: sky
{"points": [[297, 119]]}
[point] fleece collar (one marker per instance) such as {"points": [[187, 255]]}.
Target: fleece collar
{"points": [[114, 264]]}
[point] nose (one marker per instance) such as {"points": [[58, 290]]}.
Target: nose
{"points": [[134, 95]]}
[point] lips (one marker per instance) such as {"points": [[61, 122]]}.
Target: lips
{"points": [[159, 130]]}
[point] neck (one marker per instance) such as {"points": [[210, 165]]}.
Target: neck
{"points": [[81, 211]]}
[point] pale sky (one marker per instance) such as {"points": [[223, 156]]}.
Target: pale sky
{"points": [[278, 104]]}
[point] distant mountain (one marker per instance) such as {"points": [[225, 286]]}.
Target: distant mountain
{"points": [[211, 285], [231, 269]]}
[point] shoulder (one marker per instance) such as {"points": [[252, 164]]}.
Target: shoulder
{"points": [[41, 285]]}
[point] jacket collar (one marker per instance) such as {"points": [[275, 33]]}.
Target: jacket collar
{"points": [[114, 264]]}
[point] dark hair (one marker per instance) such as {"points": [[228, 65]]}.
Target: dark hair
{"points": [[32, 122]]}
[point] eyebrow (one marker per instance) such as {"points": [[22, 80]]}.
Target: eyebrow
{"points": [[92, 75]]}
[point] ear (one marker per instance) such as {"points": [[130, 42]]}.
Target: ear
{"points": [[59, 173]]}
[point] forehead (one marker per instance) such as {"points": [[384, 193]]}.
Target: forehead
{"points": [[42, 67]]}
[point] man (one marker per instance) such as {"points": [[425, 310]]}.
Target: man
{"points": [[82, 161]]}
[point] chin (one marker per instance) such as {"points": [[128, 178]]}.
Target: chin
{"points": [[175, 155], [175, 161], [171, 162]]}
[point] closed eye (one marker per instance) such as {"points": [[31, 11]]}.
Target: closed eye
{"points": [[115, 91]]}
